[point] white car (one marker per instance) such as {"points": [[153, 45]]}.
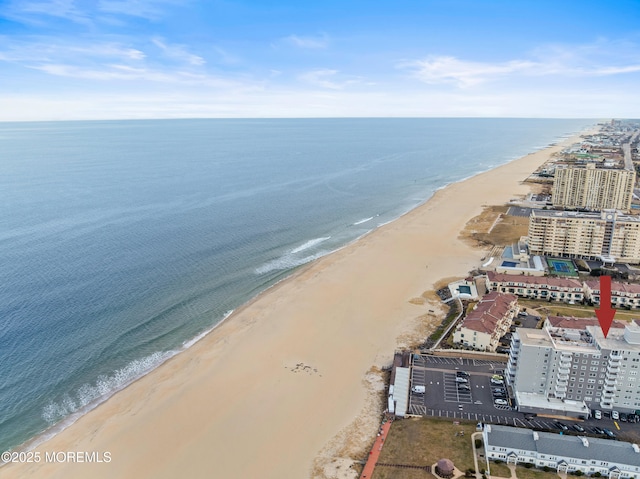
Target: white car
{"points": [[461, 380], [597, 414], [615, 415], [501, 402]]}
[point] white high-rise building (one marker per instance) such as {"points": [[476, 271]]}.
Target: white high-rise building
{"points": [[593, 188], [576, 368]]}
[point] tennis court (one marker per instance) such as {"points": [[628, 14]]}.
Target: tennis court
{"points": [[563, 267]]}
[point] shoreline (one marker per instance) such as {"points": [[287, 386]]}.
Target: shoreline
{"points": [[72, 418], [106, 420]]}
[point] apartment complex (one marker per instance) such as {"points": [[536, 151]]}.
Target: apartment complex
{"points": [[572, 367], [610, 459], [608, 235], [490, 319], [535, 287], [593, 188], [623, 295]]}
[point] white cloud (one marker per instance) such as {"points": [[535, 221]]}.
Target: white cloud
{"points": [[599, 59], [326, 78], [179, 52], [308, 42], [463, 73], [33, 11], [149, 9]]}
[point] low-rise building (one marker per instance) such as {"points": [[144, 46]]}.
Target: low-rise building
{"points": [[623, 295], [490, 319], [534, 287], [564, 453]]}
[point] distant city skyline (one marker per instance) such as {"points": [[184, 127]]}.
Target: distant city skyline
{"points": [[119, 59]]}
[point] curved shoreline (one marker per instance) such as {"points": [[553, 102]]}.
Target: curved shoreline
{"points": [[273, 310]]}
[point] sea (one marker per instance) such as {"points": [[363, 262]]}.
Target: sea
{"points": [[122, 243]]}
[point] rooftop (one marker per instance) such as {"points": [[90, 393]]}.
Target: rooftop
{"points": [[489, 311], [537, 280], [618, 452]]}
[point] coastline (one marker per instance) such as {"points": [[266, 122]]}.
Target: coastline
{"points": [[234, 403]]}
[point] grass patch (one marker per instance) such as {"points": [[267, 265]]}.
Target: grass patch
{"points": [[505, 231], [524, 473], [422, 442], [500, 470], [454, 310], [546, 308]]}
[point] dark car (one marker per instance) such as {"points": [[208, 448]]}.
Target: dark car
{"points": [[609, 433], [623, 417], [598, 430], [578, 427], [462, 374], [560, 425], [502, 350]]}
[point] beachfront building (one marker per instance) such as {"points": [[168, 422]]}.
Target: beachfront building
{"points": [[623, 295], [564, 453], [535, 287], [593, 187], [489, 320], [569, 367], [517, 260], [608, 236]]}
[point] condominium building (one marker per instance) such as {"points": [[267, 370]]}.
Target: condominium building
{"points": [[593, 188], [489, 320], [535, 287], [623, 295], [608, 235], [574, 368], [564, 453]]}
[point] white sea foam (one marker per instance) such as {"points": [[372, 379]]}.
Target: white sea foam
{"points": [[363, 221], [89, 396], [288, 261], [309, 244]]}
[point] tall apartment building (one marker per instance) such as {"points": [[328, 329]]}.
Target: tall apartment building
{"points": [[593, 188], [608, 235], [575, 368]]}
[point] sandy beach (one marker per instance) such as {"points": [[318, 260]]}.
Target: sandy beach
{"points": [[265, 393]]}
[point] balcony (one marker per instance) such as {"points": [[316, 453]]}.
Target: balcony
{"points": [[563, 377]]}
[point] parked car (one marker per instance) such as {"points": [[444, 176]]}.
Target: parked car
{"points": [[615, 415], [502, 350], [464, 387], [461, 380], [623, 417], [497, 382], [609, 433], [497, 377], [462, 374], [578, 427], [597, 414], [501, 402], [418, 389], [560, 425], [598, 430]]}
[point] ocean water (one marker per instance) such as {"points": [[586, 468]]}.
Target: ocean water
{"points": [[124, 242]]}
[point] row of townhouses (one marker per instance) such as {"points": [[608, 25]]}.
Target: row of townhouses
{"points": [[563, 289], [611, 459]]}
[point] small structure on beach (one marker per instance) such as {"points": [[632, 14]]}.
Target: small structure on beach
{"points": [[445, 468]]}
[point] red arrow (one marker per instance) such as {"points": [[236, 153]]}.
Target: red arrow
{"points": [[606, 313]]}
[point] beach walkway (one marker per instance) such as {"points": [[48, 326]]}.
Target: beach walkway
{"points": [[367, 472]]}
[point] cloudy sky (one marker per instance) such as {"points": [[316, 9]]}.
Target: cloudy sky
{"points": [[92, 59]]}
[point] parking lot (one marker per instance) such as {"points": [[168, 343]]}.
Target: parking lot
{"points": [[474, 400]]}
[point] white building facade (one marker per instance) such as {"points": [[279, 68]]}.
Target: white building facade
{"points": [[577, 367], [612, 459]]}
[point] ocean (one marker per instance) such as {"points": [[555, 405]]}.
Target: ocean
{"points": [[124, 242]]}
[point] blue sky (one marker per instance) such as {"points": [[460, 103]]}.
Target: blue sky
{"points": [[93, 59]]}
